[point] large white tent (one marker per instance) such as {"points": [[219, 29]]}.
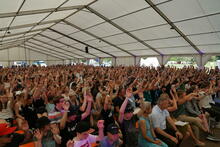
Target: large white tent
{"points": [[57, 31]]}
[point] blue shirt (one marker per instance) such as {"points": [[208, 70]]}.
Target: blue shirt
{"points": [[105, 143], [158, 117]]}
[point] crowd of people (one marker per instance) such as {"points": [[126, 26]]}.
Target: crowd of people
{"points": [[87, 106]]}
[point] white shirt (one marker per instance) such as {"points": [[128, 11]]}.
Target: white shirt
{"points": [[158, 117], [205, 101], [86, 142]]}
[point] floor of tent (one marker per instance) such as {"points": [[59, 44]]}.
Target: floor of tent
{"points": [[189, 142]]}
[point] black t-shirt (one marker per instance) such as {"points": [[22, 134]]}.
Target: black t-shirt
{"points": [[38, 103], [69, 132], [28, 111], [117, 102], [168, 87], [156, 95], [130, 132]]}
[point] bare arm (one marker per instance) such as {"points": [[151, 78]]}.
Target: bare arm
{"points": [[122, 110], [144, 131], [83, 107], [101, 135], [174, 106], [17, 111], [152, 130], [55, 131], [171, 122], [89, 98], [163, 133], [57, 138], [123, 106], [63, 120]]}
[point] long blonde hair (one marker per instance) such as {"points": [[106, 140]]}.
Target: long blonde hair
{"points": [[144, 107]]}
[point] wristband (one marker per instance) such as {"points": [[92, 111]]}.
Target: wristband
{"points": [[64, 111]]}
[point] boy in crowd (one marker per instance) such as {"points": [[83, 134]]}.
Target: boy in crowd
{"points": [[112, 138], [84, 138]]}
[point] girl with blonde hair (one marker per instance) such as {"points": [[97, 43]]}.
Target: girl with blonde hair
{"points": [[146, 135]]}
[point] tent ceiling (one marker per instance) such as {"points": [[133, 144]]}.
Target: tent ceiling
{"points": [[111, 28]]}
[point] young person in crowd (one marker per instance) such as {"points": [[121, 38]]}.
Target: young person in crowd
{"points": [[128, 122], [47, 135], [84, 138], [112, 139]]}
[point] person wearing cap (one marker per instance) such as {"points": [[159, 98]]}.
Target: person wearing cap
{"points": [[71, 118], [128, 121], [6, 134], [107, 112], [47, 135], [84, 138], [112, 138]]}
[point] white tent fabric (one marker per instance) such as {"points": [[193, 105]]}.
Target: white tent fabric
{"points": [[124, 30]]}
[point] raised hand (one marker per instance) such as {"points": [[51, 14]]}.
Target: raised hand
{"points": [[129, 93], [54, 129], [141, 94], [100, 124], [70, 143], [66, 106], [38, 134], [173, 88]]}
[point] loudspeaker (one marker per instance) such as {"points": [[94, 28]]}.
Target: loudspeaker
{"points": [[86, 49]]}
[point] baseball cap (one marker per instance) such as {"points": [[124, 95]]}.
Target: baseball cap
{"points": [[83, 127], [43, 121], [72, 110], [5, 130], [113, 128]]}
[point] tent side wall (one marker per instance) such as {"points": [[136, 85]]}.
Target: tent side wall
{"points": [[8, 56], [126, 61]]}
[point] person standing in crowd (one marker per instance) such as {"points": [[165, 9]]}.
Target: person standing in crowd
{"points": [[71, 118], [107, 113], [128, 122]]}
